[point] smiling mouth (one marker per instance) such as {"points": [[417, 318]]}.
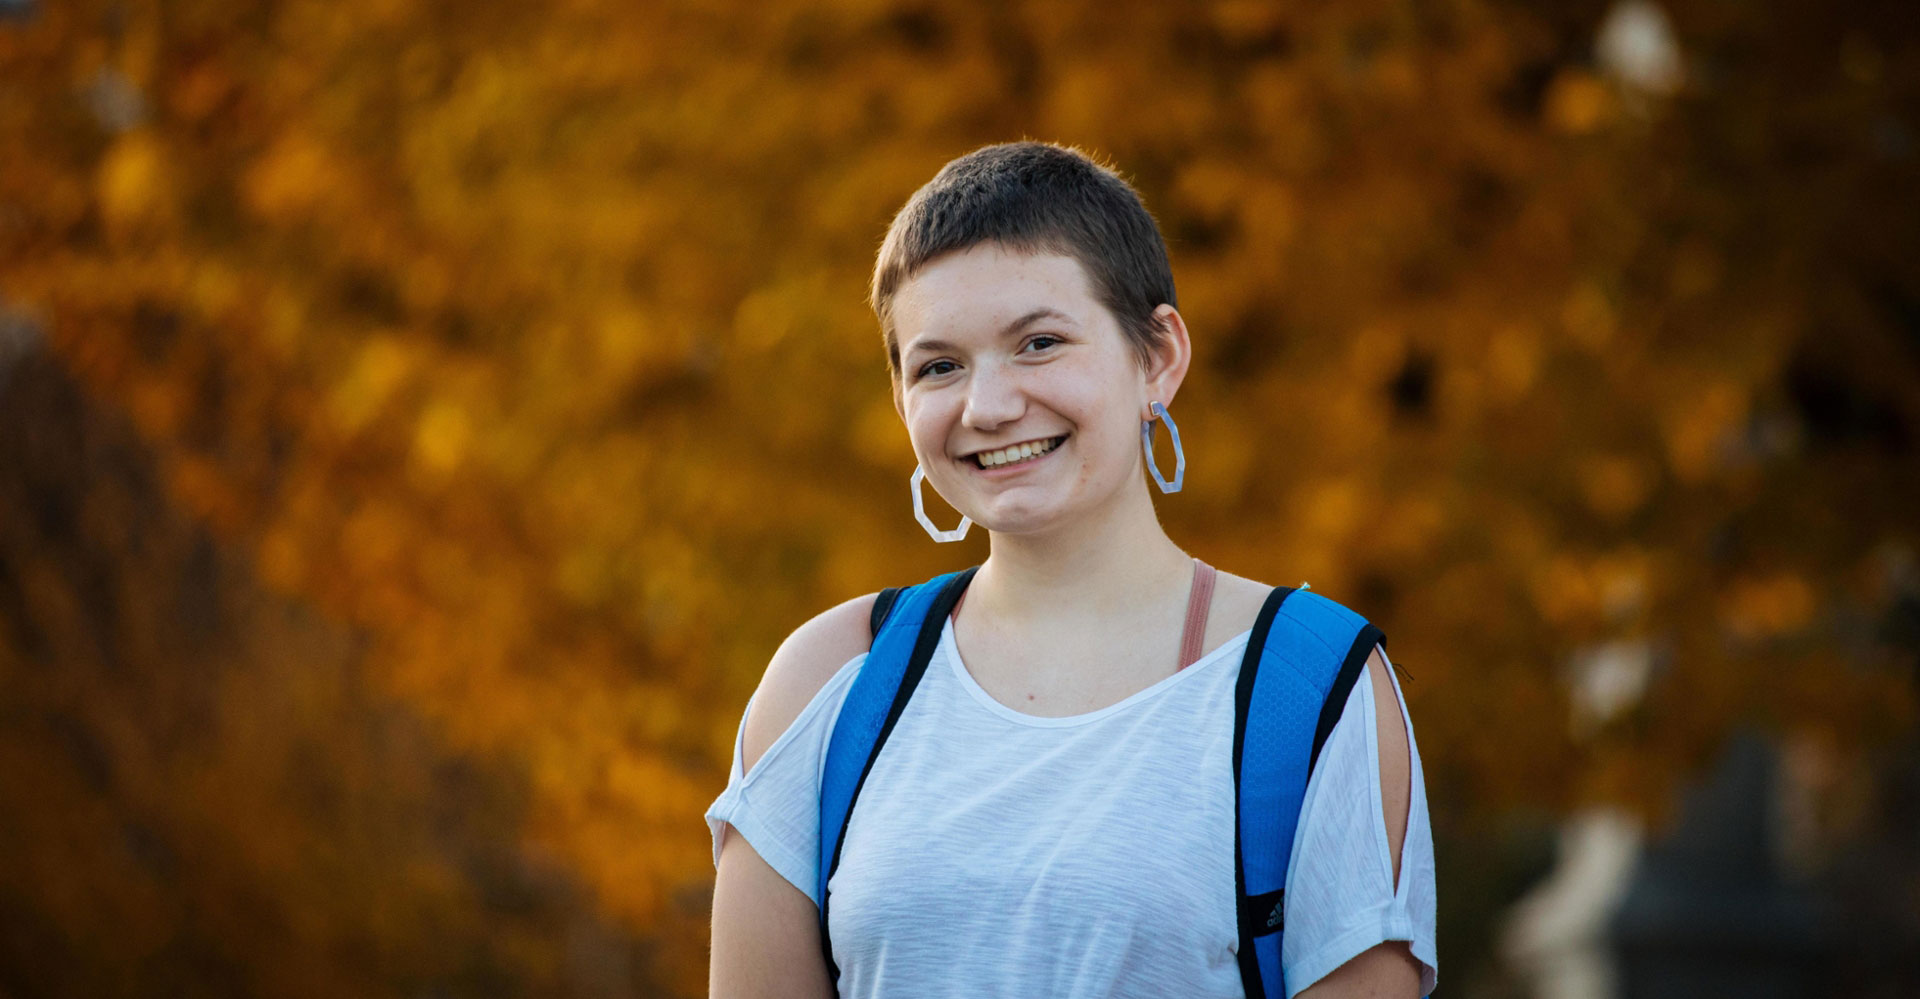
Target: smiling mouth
{"points": [[1015, 454]]}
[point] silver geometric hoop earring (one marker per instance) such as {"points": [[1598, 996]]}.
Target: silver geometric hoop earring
{"points": [[1179, 456], [920, 511]]}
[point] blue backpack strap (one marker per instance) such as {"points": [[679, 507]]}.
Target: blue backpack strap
{"points": [[904, 638], [1302, 660]]}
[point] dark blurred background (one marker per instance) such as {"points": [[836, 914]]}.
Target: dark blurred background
{"points": [[419, 422]]}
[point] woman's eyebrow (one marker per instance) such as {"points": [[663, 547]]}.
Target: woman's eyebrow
{"points": [[1009, 330]]}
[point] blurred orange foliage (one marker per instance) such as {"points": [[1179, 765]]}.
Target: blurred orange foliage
{"points": [[514, 361]]}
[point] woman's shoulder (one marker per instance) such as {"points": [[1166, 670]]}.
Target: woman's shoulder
{"points": [[1239, 597], [803, 664], [1236, 602]]}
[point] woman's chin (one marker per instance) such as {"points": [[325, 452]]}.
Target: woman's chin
{"points": [[1021, 520]]}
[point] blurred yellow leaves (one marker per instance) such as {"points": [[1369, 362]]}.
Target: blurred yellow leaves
{"points": [[1374, 353], [1579, 102], [768, 315], [881, 437], [1513, 362], [1213, 189], [626, 346], [294, 178], [1697, 426], [1409, 527], [381, 366], [134, 184], [203, 488], [1588, 316], [1755, 607], [441, 437], [373, 539], [1397, 77], [1245, 19], [1579, 592], [282, 560], [1615, 486]]}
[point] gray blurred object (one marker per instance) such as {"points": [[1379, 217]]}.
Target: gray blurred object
{"points": [[19, 336], [1875, 884], [1636, 46], [1555, 938], [116, 103], [1710, 910]]}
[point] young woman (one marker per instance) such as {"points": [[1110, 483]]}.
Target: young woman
{"points": [[1053, 814]]}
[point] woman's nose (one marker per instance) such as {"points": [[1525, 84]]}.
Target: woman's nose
{"points": [[993, 399]]}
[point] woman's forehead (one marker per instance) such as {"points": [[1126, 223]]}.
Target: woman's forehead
{"points": [[986, 289]]}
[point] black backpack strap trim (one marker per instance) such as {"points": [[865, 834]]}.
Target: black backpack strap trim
{"points": [[1264, 913], [1251, 923], [924, 644], [1350, 669], [882, 606]]}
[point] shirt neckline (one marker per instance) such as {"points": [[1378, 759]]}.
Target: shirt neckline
{"points": [[950, 650]]}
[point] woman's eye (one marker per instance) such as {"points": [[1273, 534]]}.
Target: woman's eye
{"points": [[934, 369]]}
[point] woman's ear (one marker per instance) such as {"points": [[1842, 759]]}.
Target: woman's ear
{"points": [[1168, 359]]}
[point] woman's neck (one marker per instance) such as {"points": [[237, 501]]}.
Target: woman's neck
{"points": [[1116, 561]]}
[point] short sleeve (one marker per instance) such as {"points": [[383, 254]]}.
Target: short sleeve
{"points": [[776, 805], [1341, 899]]}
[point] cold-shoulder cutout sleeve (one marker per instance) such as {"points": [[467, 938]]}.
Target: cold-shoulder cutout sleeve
{"points": [[1341, 897], [776, 804]]}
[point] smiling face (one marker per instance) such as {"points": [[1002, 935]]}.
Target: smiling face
{"points": [[1022, 397]]}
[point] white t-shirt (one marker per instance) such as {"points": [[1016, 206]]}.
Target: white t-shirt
{"points": [[996, 853]]}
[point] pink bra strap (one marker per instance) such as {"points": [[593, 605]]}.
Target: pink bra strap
{"points": [[1199, 601]]}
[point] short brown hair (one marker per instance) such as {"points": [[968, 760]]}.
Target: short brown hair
{"points": [[1036, 197]]}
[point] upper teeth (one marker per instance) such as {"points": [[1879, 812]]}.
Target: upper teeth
{"points": [[1015, 452]]}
